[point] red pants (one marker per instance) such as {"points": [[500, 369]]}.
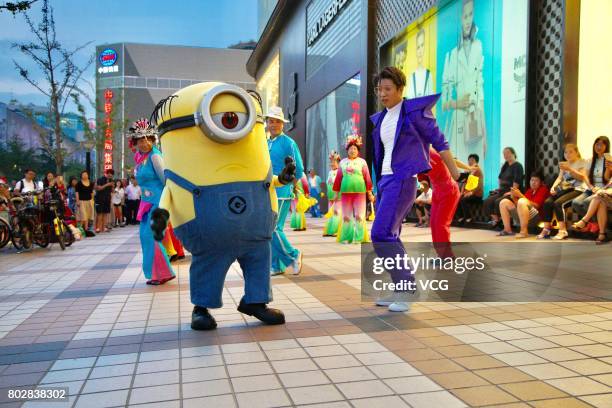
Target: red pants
{"points": [[443, 205]]}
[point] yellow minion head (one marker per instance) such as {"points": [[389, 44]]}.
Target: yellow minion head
{"points": [[212, 133]]}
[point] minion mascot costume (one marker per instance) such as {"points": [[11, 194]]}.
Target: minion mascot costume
{"points": [[220, 193]]}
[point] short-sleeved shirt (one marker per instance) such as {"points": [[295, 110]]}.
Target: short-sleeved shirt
{"points": [[104, 195], [26, 186], [510, 174], [538, 196], [85, 192]]}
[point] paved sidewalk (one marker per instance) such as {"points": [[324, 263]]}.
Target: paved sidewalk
{"points": [[84, 318]]}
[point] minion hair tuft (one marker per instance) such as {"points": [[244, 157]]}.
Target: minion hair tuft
{"points": [[257, 96], [160, 109]]}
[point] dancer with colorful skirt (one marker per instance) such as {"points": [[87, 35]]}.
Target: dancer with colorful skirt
{"points": [[314, 183], [354, 182], [300, 204], [149, 172], [333, 222]]}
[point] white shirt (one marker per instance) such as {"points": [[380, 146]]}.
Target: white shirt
{"points": [[25, 186], [133, 192], [387, 136], [118, 195], [425, 196], [598, 171], [419, 84]]}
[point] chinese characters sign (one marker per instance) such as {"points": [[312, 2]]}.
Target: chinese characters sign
{"points": [[108, 130]]}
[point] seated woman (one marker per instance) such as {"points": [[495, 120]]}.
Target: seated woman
{"points": [[599, 206], [597, 174], [422, 205], [524, 209], [568, 185], [470, 196], [511, 175]]}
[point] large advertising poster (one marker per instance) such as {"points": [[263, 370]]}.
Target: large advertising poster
{"points": [[474, 53]]}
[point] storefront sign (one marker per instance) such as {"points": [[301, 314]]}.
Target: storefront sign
{"points": [[324, 20], [108, 57], [108, 130]]}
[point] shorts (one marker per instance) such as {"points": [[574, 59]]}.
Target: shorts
{"points": [[85, 210], [103, 208], [117, 205], [534, 216]]}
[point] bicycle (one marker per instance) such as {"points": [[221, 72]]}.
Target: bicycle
{"points": [[25, 211]]}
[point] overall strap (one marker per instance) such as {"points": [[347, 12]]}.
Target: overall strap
{"points": [[181, 182]]}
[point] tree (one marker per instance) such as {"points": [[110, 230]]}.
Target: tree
{"points": [[17, 7], [61, 75]]}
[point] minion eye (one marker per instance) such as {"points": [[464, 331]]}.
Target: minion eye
{"points": [[231, 121], [226, 127]]}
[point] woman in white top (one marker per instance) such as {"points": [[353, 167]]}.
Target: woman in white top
{"points": [[118, 200], [568, 185], [597, 175]]}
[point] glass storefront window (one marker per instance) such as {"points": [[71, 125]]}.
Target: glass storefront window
{"points": [[329, 122], [268, 84]]}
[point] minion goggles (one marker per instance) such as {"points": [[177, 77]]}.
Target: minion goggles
{"points": [[222, 127]]}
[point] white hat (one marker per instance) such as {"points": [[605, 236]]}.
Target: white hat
{"points": [[276, 112]]}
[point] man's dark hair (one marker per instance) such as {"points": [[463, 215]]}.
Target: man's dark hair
{"points": [[26, 171], [393, 74], [109, 171], [475, 157], [538, 174]]}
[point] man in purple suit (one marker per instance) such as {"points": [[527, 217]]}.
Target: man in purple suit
{"points": [[402, 134]]}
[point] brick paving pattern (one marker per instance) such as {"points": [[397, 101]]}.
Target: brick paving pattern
{"points": [[85, 319]]}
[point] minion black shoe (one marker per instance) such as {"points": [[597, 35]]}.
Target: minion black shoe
{"points": [[262, 312], [201, 319]]}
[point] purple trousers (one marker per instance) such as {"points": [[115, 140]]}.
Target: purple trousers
{"points": [[395, 197]]}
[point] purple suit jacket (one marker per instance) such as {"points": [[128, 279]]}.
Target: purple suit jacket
{"points": [[416, 131]]}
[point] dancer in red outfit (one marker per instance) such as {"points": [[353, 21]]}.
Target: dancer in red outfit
{"points": [[443, 204]]}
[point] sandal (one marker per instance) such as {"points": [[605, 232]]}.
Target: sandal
{"points": [[601, 239], [580, 225], [545, 234], [562, 234], [505, 233]]}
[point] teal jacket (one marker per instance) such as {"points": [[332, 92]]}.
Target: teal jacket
{"points": [[281, 147]]}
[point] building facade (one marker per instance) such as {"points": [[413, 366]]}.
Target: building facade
{"points": [[132, 78], [505, 69]]}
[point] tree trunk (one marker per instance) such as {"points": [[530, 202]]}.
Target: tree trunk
{"points": [[59, 156]]}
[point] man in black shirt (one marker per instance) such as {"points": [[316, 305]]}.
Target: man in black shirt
{"points": [[104, 189]]}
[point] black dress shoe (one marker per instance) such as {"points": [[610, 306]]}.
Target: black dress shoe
{"points": [[262, 312], [201, 319]]}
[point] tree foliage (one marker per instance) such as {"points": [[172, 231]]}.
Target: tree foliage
{"points": [[61, 76]]}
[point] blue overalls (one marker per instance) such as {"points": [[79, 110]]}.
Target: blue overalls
{"points": [[233, 221]]}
